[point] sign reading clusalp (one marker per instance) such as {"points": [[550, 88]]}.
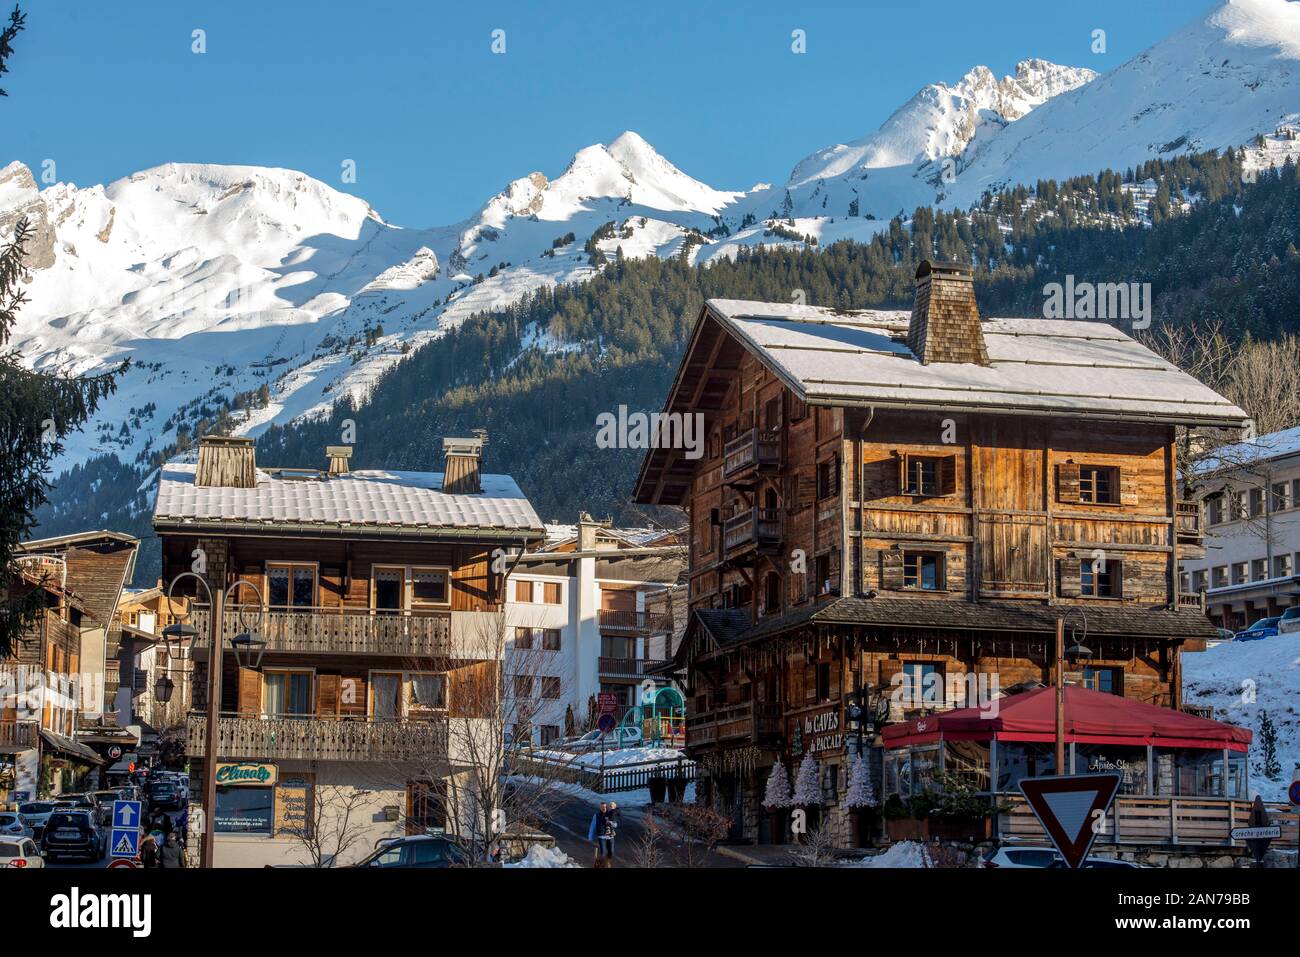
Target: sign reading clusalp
{"points": [[75, 910]]}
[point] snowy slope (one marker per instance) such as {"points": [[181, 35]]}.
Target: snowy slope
{"points": [[1242, 679], [218, 280]]}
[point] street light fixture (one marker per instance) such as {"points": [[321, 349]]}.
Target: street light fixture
{"points": [[163, 688]]}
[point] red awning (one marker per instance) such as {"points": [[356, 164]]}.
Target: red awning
{"points": [[1091, 717]]}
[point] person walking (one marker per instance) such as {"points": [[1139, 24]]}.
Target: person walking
{"points": [[172, 854], [148, 851], [611, 828], [598, 832]]}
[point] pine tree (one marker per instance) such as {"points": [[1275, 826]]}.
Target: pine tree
{"points": [[860, 793], [1268, 741], [37, 411], [777, 794], [807, 784]]}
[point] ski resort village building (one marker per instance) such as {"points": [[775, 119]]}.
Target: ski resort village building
{"points": [[893, 512], [379, 598], [592, 613], [1251, 498]]}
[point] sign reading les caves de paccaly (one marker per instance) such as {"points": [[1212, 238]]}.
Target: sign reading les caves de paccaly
{"points": [[245, 773], [816, 732]]}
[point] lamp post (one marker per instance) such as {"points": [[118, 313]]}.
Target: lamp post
{"points": [[1076, 651], [246, 642]]}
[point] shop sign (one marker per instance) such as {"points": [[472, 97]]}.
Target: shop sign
{"points": [[816, 733], [245, 774]]}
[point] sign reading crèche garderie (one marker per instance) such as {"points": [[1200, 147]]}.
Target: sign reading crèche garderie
{"points": [[245, 774], [817, 732]]}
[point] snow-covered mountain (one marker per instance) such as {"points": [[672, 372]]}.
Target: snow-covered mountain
{"points": [[217, 280]]}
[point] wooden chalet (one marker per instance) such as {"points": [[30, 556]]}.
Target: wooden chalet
{"points": [[897, 509]]}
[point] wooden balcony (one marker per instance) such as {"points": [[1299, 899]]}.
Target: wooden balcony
{"points": [[628, 667], [756, 529], [320, 739], [747, 723], [1203, 821], [339, 630], [633, 621], [752, 448], [18, 734], [1188, 530], [1191, 599]]}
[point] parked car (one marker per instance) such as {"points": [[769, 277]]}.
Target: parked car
{"points": [[73, 834], [104, 806], [35, 814], [1289, 623], [20, 852], [1264, 628], [1224, 635], [625, 736], [1013, 856], [165, 796], [12, 825], [417, 850]]}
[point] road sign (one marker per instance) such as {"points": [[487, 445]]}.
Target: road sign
{"points": [[122, 862], [126, 814], [115, 752], [124, 842], [1072, 809], [1294, 791], [608, 702], [1256, 833], [606, 723]]}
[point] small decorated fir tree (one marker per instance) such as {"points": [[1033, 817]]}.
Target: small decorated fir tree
{"points": [[861, 793], [777, 795], [807, 784]]}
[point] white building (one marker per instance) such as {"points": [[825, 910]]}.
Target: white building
{"points": [[1250, 497], [592, 612]]}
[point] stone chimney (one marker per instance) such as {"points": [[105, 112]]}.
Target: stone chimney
{"points": [[338, 456], [945, 324], [462, 474], [226, 461]]}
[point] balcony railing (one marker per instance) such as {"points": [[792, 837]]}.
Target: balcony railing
{"points": [[20, 734], [320, 739], [338, 630], [755, 527], [628, 667], [634, 621], [1187, 522], [752, 447], [1191, 599], [734, 724]]}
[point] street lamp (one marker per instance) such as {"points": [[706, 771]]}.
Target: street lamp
{"points": [[162, 689], [1077, 651]]}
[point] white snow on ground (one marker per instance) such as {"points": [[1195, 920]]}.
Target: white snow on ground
{"points": [[612, 759], [1243, 679], [637, 800], [539, 856], [902, 854]]}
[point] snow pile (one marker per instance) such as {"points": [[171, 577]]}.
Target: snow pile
{"points": [[612, 758], [1243, 679], [902, 854], [540, 856]]}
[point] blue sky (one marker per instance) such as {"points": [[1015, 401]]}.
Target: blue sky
{"points": [[437, 123]]}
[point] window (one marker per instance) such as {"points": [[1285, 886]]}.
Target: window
{"points": [[1108, 680], [385, 695], [428, 692], [429, 587], [823, 568], [772, 593], [523, 591], [389, 589], [286, 693], [823, 688], [923, 570], [828, 478], [550, 687], [523, 686], [1099, 579], [1098, 485], [551, 593], [1239, 573], [1259, 569], [548, 734], [1281, 566], [245, 810], [1214, 509], [523, 639], [923, 684], [550, 639], [617, 646], [922, 476], [1200, 579], [1221, 576], [291, 586], [425, 807], [1255, 500], [1281, 496]]}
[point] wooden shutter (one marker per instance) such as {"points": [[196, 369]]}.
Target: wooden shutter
{"points": [[1067, 482], [888, 668], [891, 569], [331, 587], [250, 691], [1124, 575], [328, 689], [352, 694], [948, 475], [472, 691], [1128, 486], [1068, 577], [902, 473], [953, 580]]}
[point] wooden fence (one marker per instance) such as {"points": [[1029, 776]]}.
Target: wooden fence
{"points": [[610, 780]]}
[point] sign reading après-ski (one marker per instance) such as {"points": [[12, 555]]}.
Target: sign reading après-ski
{"points": [[245, 773]]}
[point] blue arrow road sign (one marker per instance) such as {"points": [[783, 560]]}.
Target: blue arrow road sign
{"points": [[124, 842], [126, 813]]}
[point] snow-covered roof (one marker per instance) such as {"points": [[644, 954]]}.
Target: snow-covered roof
{"points": [[1264, 448], [1036, 365], [374, 499]]}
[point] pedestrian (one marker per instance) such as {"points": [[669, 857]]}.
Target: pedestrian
{"points": [[183, 826], [598, 833], [148, 851], [172, 854], [611, 827]]}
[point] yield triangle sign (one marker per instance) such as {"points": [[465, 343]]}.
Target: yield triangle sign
{"points": [[1071, 808]]}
